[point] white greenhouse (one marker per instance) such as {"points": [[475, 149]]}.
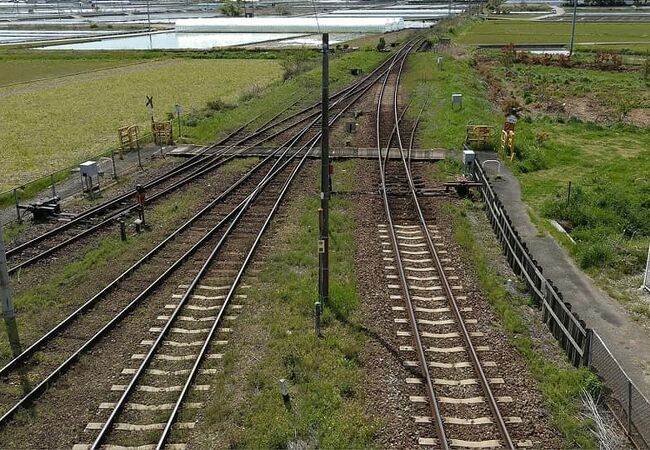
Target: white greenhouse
{"points": [[290, 25]]}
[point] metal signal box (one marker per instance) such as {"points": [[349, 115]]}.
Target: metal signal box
{"points": [[89, 169]]}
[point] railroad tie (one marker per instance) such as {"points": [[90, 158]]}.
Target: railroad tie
{"points": [[141, 427], [143, 407], [182, 344], [155, 389], [448, 382], [159, 372], [140, 447]]}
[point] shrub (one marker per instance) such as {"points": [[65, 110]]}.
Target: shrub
{"points": [[251, 92], [381, 45], [295, 63], [232, 8]]}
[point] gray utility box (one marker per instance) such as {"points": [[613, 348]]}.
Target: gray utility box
{"points": [[89, 169], [468, 157]]}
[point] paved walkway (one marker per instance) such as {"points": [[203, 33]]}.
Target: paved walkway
{"points": [[628, 341]]}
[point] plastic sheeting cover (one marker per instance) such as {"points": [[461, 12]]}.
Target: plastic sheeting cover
{"points": [[291, 25]]}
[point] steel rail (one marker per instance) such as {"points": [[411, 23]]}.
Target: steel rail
{"points": [[87, 305], [476, 363], [433, 402], [109, 203], [155, 346], [217, 321], [232, 221], [414, 129], [213, 162], [198, 159], [28, 398]]}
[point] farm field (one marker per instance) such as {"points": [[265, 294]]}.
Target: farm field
{"points": [[635, 36], [48, 125], [26, 70]]}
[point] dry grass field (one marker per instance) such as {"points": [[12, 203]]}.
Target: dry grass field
{"points": [[50, 124]]}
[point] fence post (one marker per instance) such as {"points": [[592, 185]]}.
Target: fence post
{"points": [[53, 185], [20, 219], [629, 407], [586, 348]]}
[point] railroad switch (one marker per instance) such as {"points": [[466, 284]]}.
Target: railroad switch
{"points": [[45, 210]]}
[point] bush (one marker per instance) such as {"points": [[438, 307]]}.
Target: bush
{"points": [[296, 63], [381, 45], [232, 8], [594, 254], [251, 92]]}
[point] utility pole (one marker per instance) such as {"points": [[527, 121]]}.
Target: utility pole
{"points": [[323, 243], [8, 311], [573, 27], [148, 18]]}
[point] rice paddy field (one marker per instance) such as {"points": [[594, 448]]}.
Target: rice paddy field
{"points": [[632, 36], [67, 110]]}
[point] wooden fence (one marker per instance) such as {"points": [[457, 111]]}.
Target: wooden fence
{"points": [[565, 325]]}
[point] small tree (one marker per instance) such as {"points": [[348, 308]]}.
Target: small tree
{"points": [[232, 8], [645, 70], [381, 45]]}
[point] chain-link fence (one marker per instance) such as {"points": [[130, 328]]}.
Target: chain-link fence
{"points": [[630, 406], [112, 164], [582, 345]]}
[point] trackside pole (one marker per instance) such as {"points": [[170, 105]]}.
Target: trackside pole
{"points": [[8, 311], [323, 243]]}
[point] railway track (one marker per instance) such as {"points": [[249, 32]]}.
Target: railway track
{"points": [[193, 289], [193, 170], [455, 382]]}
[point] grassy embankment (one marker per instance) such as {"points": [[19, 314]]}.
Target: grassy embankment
{"points": [[560, 384], [589, 36], [324, 374], [608, 214]]}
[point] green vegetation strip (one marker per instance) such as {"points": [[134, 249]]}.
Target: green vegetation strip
{"points": [[531, 32], [560, 387], [324, 374], [441, 125]]}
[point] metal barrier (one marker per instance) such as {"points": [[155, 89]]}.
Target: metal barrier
{"points": [[583, 346], [53, 182], [628, 404], [565, 325]]}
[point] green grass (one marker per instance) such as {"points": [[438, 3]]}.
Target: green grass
{"points": [[607, 164], [441, 125], [39, 305], [530, 32], [324, 374], [53, 124], [22, 70], [560, 387], [305, 87], [614, 93]]}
